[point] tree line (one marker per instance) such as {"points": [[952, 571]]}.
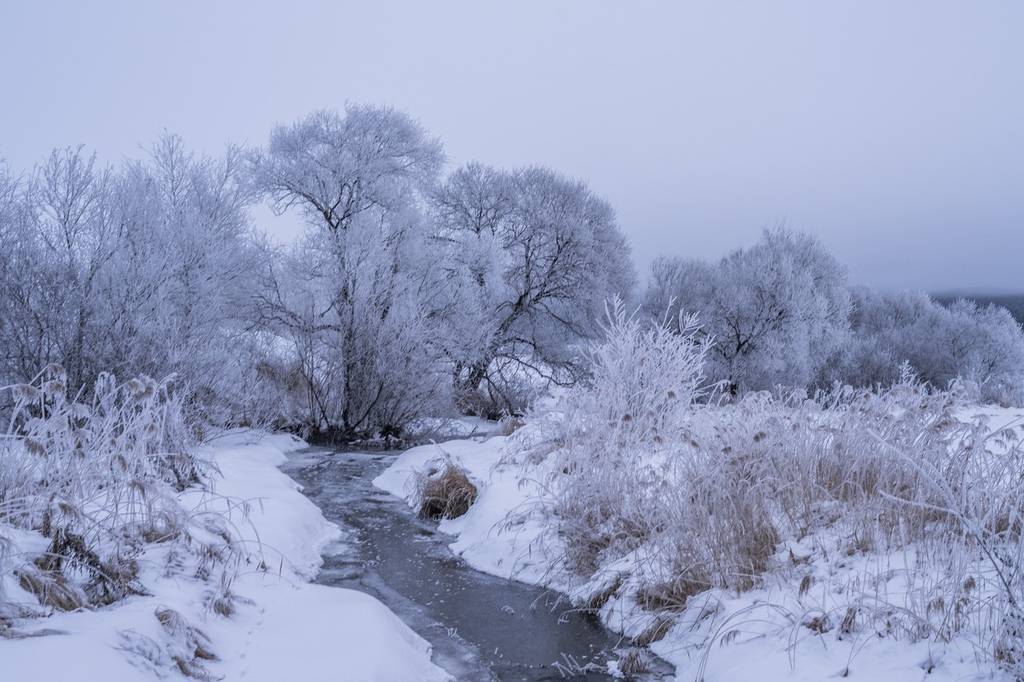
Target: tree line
{"points": [[782, 313], [414, 290]]}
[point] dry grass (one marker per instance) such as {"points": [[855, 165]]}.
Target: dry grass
{"points": [[445, 492], [51, 590], [179, 648], [634, 661], [701, 496], [510, 424], [100, 480], [194, 647]]}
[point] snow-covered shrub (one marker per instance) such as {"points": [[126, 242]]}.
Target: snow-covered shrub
{"points": [[895, 473], [141, 269], [98, 479], [678, 495], [1009, 646], [363, 364], [617, 429]]}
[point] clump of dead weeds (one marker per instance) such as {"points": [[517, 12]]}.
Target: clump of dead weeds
{"points": [[444, 491], [634, 661]]}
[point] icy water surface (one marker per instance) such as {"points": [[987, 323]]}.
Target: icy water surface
{"points": [[481, 627]]}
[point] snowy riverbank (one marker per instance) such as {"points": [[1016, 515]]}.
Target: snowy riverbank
{"points": [[277, 625], [780, 630]]}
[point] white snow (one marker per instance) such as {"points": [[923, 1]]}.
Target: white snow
{"points": [[284, 627], [445, 428], [498, 535]]}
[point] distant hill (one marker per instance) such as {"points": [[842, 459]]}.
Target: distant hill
{"points": [[1012, 302]]}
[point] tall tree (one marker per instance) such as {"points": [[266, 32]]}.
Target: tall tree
{"points": [[352, 303], [777, 310], [532, 257], [140, 269]]}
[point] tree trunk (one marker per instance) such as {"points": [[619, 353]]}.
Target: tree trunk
{"points": [[467, 389]]}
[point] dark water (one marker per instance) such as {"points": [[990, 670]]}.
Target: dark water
{"points": [[481, 627]]}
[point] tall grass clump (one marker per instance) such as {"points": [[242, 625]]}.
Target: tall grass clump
{"points": [[901, 483], [620, 433], [444, 491], [678, 494], [99, 479]]}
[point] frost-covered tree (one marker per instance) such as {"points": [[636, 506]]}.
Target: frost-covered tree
{"points": [[72, 228], [352, 299], [982, 345], [22, 347], [182, 277], [781, 314], [530, 257], [138, 269], [776, 311]]}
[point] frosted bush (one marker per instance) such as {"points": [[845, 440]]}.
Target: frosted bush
{"points": [[644, 379], [99, 479], [890, 474], [694, 495], [147, 268]]}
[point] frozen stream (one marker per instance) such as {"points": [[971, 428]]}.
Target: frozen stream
{"points": [[481, 627]]}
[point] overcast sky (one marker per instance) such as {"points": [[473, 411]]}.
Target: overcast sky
{"points": [[894, 131]]}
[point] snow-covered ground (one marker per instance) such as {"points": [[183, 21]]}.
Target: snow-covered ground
{"points": [[447, 428], [764, 634], [283, 627], [481, 537]]}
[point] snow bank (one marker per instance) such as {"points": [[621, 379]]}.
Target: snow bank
{"points": [[283, 526], [313, 632], [498, 535], [283, 627], [445, 428], [758, 634]]}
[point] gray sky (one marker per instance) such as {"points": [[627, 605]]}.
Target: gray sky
{"points": [[892, 130]]}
